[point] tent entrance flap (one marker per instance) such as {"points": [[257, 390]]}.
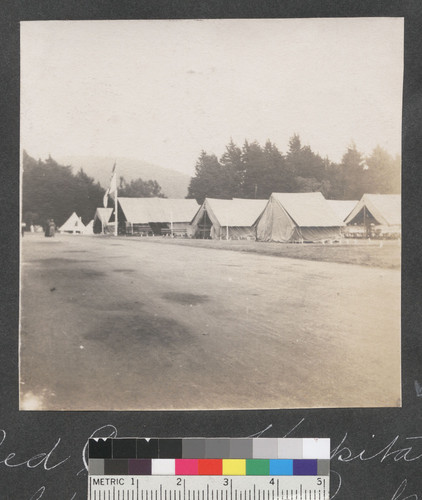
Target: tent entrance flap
{"points": [[365, 218], [275, 224], [204, 227]]}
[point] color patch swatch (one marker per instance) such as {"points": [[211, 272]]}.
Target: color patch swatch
{"points": [[209, 456], [210, 448]]}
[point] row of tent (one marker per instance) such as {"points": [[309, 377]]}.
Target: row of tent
{"points": [[74, 225], [284, 217]]}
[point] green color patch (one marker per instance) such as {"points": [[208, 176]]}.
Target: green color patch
{"points": [[257, 467]]}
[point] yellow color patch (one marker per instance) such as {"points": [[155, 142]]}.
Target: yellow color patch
{"points": [[234, 467]]}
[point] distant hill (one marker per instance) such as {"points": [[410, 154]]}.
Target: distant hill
{"points": [[173, 184]]}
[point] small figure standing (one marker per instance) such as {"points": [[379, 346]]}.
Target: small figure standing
{"points": [[47, 228], [50, 228]]}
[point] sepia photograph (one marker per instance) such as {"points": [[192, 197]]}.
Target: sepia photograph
{"points": [[210, 214]]}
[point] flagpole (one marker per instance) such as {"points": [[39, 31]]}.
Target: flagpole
{"points": [[116, 229]]}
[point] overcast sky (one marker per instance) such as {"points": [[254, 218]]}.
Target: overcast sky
{"points": [[161, 91]]}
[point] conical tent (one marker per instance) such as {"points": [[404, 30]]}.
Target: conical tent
{"points": [[298, 217], [73, 225]]}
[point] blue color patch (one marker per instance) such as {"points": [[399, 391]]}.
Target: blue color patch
{"points": [[305, 467], [281, 467]]}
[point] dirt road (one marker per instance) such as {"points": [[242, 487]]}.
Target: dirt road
{"points": [[123, 324]]}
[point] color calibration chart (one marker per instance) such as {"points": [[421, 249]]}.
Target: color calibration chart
{"points": [[209, 469]]}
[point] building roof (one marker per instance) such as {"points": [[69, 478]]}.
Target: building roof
{"points": [[146, 210], [342, 207], [385, 208], [308, 209], [238, 212]]}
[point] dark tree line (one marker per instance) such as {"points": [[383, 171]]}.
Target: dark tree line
{"points": [[139, 189], [50, 190], [254, 171]]}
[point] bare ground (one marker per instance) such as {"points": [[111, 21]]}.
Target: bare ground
{"points": [[129, 324]]}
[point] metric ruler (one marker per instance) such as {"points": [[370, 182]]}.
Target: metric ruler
{"points": [[209, 469], [208, 488]]}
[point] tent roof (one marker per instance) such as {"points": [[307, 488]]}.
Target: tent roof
{"points": [[308, 209], [89, 228], [145, 210], [73, 222], [103, 214], [385, 208], [342, 207], [238, 212]]}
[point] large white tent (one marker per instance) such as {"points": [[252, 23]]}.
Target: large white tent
{"points": [[227, 219], [156, 215], [380, 209], [378, 214], [73, 225], [298, 217]]}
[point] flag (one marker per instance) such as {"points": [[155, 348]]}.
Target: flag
{"points": [[112, 189], [105, 199]]}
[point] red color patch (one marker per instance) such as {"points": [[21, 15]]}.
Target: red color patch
{"points": [[210, 467]]}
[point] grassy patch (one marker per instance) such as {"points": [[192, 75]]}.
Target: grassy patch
{"points": [[385, 254]]}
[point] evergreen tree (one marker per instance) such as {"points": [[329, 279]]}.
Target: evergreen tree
{"points": [[353, 174], [256, 172], [254, 164], [306, 169], [335, 180], [211, 179], [50, 190], [234, 167], [139, 189], [383, 172], [275, 178]]}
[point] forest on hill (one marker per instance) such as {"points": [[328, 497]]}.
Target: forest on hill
{"points": [[51, 190], [256, 171]]}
